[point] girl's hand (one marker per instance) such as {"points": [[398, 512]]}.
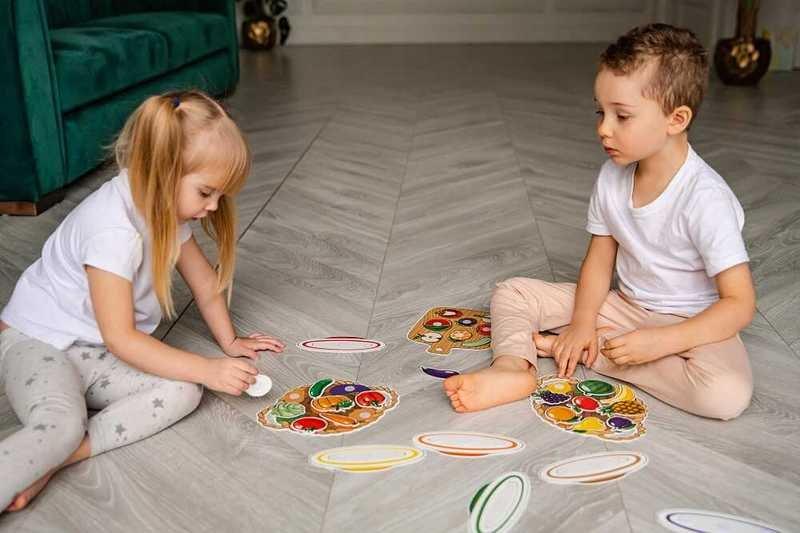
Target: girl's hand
{"points": [[637, 347], [250, 346], [568, 348], [231, 376]]}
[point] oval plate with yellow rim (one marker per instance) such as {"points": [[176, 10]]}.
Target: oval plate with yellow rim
{"points": [[366, 458]]}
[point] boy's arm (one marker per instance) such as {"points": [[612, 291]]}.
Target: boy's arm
{"points": [[202, 280], [112, 301], [723, 319], [594, 282]]}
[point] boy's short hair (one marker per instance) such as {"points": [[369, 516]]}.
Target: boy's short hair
{"points": [[681, 73]]}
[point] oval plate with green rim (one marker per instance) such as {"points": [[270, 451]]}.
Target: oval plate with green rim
{"points": [[498, 506]]}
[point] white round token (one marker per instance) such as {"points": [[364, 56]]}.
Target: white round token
{"points": [[262, 386]]}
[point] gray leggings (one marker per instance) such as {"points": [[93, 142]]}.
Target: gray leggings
{"points": [[50, 391]]}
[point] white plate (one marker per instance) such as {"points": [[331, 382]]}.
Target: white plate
{"points": [[367, 458], [341, 345], [468, 443], [498, 506], [596, 468], [262, 386], [695, 520]]}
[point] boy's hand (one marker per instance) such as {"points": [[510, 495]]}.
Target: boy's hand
{"points": [[637, 347], [250, 346], [228, 375], [568, 348]]}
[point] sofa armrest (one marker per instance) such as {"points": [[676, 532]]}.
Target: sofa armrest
{"points": [[32, 152]]}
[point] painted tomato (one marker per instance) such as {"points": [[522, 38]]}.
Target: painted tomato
{"points": [[437, 324], [371, 398], [586, 403], [309, 424]]}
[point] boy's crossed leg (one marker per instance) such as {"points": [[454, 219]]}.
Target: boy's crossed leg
{"points": [[713, 380]]}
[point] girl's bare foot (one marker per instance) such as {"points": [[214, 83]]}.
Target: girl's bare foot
{"points": [[24, 498], [507, 380]]}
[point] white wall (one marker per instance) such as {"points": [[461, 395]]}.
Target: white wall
{"points": [[476, 21], [423, 21], [716, 19]]}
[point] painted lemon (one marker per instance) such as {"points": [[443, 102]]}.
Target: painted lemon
{"points": [[590, 424], [559, 387]]}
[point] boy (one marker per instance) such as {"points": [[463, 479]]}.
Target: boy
{"points": [[672, 226]]}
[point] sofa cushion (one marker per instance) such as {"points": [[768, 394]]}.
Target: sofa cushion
{"points": [[103, 56], [94, 62], [190, 35]]}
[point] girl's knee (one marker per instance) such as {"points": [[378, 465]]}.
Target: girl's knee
{"points": [[183, 397], [64, 430]]}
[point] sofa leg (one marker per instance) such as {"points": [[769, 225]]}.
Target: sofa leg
{"points": [[32, 208]]}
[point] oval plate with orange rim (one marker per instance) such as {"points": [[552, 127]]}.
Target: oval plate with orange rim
{"points": [[468, 444], [341, 345], [593, 469]]}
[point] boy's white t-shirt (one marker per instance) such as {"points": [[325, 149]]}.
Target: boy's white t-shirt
{"points": [[51, 301], [670, 249]]}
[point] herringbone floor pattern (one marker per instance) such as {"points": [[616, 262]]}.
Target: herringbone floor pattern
{"points": [[391, 179]]}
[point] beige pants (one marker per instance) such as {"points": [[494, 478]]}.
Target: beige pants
{"points": [[712, 380]]}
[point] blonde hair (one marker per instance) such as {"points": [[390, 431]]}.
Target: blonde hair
{"points": [[681, 73], [158, 146]]}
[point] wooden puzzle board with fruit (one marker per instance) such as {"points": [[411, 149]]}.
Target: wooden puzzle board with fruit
{"points": [[444, 329], [591, 407]]}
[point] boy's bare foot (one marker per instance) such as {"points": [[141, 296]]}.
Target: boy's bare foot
{"points": [[24, 498], [507, 380], [544, 344]]}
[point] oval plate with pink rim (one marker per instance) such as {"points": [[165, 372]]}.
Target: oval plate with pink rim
{"points": [[594, 469], [341, 345], [468, 444], [693, 520]]}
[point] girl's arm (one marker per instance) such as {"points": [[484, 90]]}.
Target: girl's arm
{"points": [[202, 280], [594, 283], [723, 319], [112, 301]]}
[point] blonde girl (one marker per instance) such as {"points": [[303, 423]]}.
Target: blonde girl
{"points": [[76, 332]]}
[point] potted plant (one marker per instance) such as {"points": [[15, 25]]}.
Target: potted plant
{"points": [[744, 58]]}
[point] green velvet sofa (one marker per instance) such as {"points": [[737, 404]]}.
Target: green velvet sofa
{"points": [[72, 71]]}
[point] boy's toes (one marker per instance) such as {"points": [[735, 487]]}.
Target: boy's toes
{"points": [[453, 384]]}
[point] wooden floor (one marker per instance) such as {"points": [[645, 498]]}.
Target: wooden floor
{"points": [[391, 179]]}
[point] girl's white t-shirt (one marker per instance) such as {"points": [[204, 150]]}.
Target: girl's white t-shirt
{"points": [[51, 301], [670, 249]]}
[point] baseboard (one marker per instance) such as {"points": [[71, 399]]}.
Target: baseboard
{"points": [[32, 209]]}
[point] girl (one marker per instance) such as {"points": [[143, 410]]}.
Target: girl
{"points": [[76, 332]]}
